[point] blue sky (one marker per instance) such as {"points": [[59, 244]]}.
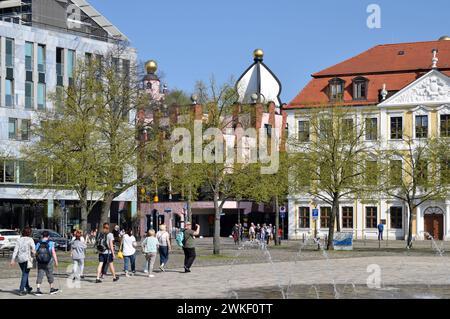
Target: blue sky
{"points": [[191, 40]]}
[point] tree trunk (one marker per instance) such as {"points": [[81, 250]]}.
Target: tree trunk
{"points": [[277, 221], [189, 204], [334, 209], [106, 207], [84, 212], [216, 240], [338, 220], [409, 239]]}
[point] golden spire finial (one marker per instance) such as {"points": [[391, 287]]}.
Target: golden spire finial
{"points": [[151, 66], [258, 54]]}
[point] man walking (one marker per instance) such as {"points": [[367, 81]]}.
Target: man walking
{"points": [[45, 259], [105, 249], [189, 245], [380, 231]]}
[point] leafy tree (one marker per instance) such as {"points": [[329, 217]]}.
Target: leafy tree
{"points": [[327, 160], [416, 171]]}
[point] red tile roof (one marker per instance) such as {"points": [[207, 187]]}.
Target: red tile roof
{"points": [[395, 65]]}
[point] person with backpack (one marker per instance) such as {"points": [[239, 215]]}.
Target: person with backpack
{"points": [[23, 254], [163, 238], [78, 252], [189, 245], [150, 248], [105, 247], [45, 259]]}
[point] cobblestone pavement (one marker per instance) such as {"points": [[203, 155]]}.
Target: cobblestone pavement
{"points": [[278, 268]]}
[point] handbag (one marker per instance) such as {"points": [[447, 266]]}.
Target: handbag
{"points": [[30, 263], [120, 253]]}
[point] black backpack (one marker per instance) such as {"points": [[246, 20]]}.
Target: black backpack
{"points": [[102, 243], [43, 254]]}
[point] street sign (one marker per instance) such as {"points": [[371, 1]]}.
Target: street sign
{"points": [[282, 215], [282, 209], [315, 214], [168, 210]]}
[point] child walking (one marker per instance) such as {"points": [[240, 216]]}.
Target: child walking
{"points": [[150, 247]]}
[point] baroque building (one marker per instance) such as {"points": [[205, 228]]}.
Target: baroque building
{"points": [[398, 90]]}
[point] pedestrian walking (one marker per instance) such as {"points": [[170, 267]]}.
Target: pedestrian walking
{"points": [[241, 233], [45, 259], [78, 253], [165, 247], [235, 234], [150, 248], [23, 255], [105, 247], [252, 232], [189, 245], [258, 231], [129, 252], [380, 231]]}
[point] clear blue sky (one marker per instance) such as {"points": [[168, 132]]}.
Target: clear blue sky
{"points": [[193, 39]]}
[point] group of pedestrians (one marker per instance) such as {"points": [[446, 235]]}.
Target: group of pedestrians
{"points": [[25, 252], [44, 255], [265, 233]]}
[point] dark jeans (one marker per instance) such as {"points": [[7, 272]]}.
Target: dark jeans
{"points": [[380, 235], [189, 257], [163, 254], [25, 273], [132, 260]]}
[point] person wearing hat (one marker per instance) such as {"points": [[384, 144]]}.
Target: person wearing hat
{"points": [[189, 245]]}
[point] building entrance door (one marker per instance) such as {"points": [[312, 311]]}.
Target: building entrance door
{"points": [[434, 223]]}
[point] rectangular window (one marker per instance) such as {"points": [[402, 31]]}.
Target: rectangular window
{"points": [[396, 217], [396, 128], [29, 94], [304, 217], [445, 125], [421, 126], [371, 129], [422, 172], [70, 65], [268, 128], [41, 58], [347, 217], [371, 217], [2, 171], [59, 66], [303, 131], [9, 93], [371, 173], [26, 174], [10, 172], [29, 56], [445, 171], [41, 96], [9, 53], [325, 217], [348, 129], [360, 90], [25, 130], [325, 128], [395, 172], [12, 128]]}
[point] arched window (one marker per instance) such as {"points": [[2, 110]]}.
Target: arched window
{"points": [[336, 89], [360, 85]]}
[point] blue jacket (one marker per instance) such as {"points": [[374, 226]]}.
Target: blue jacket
{"points": [[380, 227]]}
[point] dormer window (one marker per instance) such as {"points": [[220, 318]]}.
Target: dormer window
{"points": [[336, 89], [360, 85]]}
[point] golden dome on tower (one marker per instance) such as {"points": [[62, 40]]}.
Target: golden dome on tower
{"points": [[444, 38], [258, 54], [151, 66]]}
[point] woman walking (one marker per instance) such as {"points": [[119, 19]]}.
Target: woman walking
{"points": [[163, 238], [23, 255], [150, 247], [78, 255], [129, 252]]}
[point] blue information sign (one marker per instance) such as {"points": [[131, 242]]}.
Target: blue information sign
{"points": [[315, 213]]}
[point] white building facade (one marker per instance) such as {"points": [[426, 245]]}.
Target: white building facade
{"points": [[405, 102], [35, 59]]}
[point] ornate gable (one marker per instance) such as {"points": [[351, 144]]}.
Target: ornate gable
{"points": [[432, 88]]}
